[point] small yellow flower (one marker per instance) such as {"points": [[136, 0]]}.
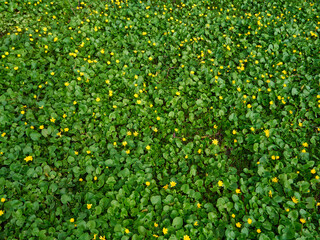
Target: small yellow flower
{"points": [[148, 147], [95, 178], [52, 73], [172, 184], [165, 230], [66, 84], [199, 151], [124, 143], [234, 132], [215, 141], [186, 237], [89, 206], [275, 180], [128, 151], [233, 215], [127, 231], [302, 220], [156, 224], [88, 152], [16, 68], [238, 191], [98, 99], [148, 183], [22, 112], [3, 134], [294, 199], [220, 183], [71, 220], [166, 187], [270, 193], [249, 106], [249, 220], [198, 205], [3, 199], [1, 212], [238, 225], [29, 158], [178, 93], [258, 230], [158, 118], [267, 132], [195, 223], [313, 171]]}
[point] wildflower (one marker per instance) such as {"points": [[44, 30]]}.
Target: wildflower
{"points": [[127, 230], [233, 215], [128, 151], [313, 171], [1, 212], [3, 199], [52, 73], [178, 93], [238, 225], [238, 191], [22, 112], [98, 99], [165, 187], [89, 206], [294, 199], [135, 133], [234, 132], [195, 223], [71, 220], [305, 144], [302, 220], [258, 230], [29, 158], [275, 180], [3, 134], [186, 237], [215, 141], [148, 183], [88, 152], [172, 184], [220, 183], [270, 193], [124, 143], [198, 205], [156, 224], [267, 132], [249, 220], [148, 147], [165, 230]]}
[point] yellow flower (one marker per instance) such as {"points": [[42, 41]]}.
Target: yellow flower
{"points": [[156, 224], [198, 205], [234, 132], [199, 151], [165, 230], [305, 144], [258, 230], [98, 99], [16, 68], [3, 134], [148, 183], [172, 184], [88, 152], [64, 116], [148, 147], [28, 158], [294, 199], [23, 112], [249, 220], [127, 230], [95, 178], [238, 191], [135, 133], [302, 220], [1, 212], [3, 199], [195, 223], [186, 237], [52, 73], [238, 225], [233, 216], [220, 183], [249, 106], [178, 93], [275, 180], [89, 206], [66, 84], [270, 193], [71, 220], [128, 151], [313, 171], [267, 132], [215, 141], [124, 143], [158, 118], [165, 187]]}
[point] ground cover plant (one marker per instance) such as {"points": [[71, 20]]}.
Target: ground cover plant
{"points": [[159, 120]]}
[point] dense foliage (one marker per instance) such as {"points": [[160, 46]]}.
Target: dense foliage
{"points": [[159, 120]]}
